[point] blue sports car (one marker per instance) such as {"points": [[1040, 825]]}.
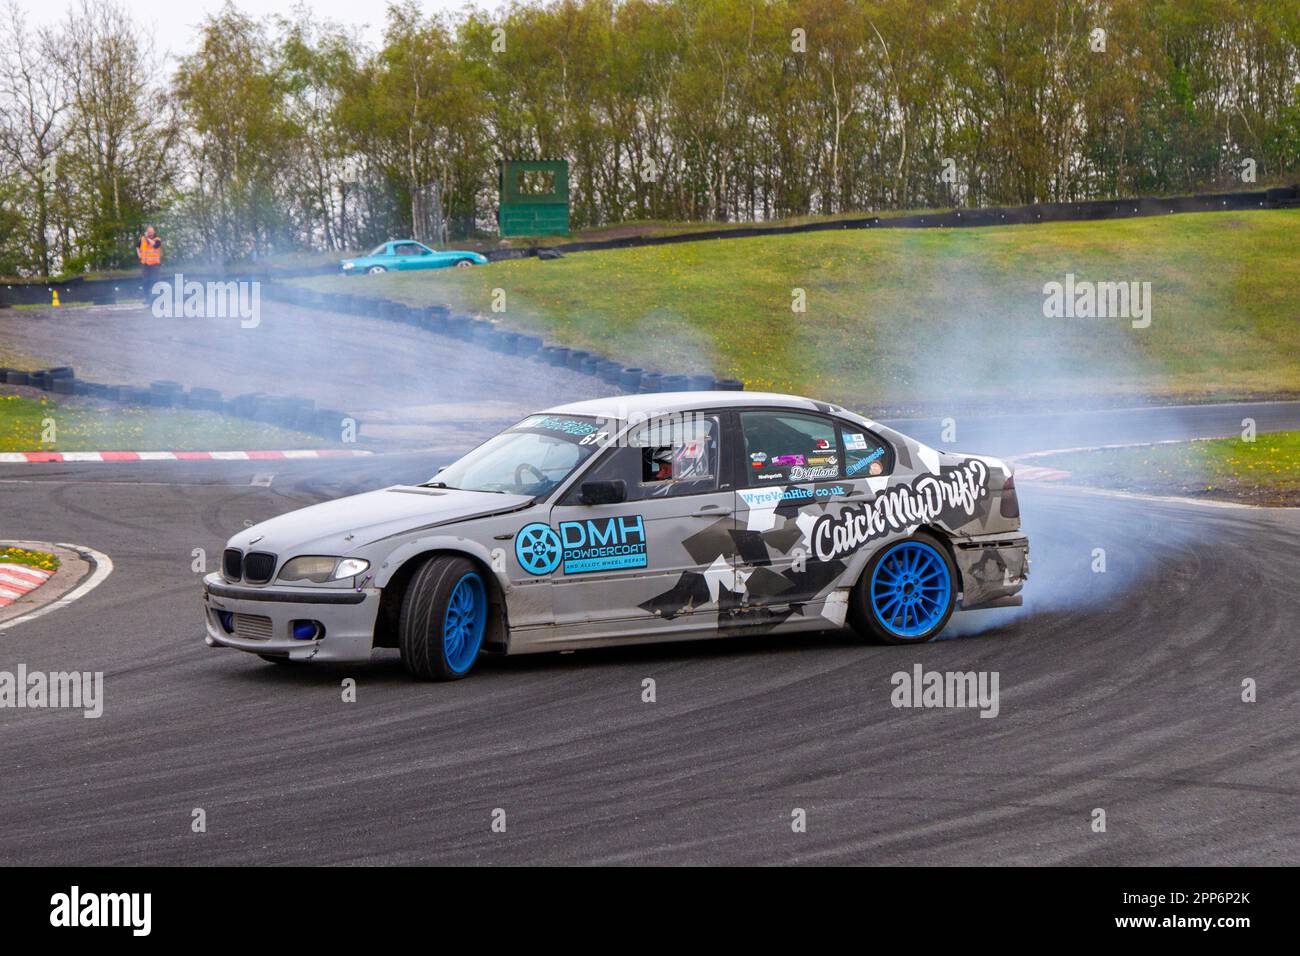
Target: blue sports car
{"points": [[402, 255]]}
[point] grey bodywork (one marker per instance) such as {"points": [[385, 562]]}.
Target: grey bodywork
{"points": [[729, 561]]}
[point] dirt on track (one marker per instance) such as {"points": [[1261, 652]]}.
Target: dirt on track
{"points": [[408, 387]]}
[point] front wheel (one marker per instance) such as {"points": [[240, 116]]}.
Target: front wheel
{"points": [[464, 263], [376, 270], [907, 592], [443, 619]]}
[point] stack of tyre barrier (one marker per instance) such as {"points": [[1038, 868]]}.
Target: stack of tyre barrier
{"points": [[59, 379], [1283, 197], [300, 414], [441, 320]]}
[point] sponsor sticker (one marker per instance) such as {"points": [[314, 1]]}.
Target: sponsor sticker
{"points": [[813, 472], [773, 496], [565, 426], [855, 441], [953, 494], [610, 544], [579, 547], [859, 464]]}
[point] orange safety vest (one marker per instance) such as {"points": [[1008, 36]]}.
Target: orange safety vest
{"points": [[150, 255]]}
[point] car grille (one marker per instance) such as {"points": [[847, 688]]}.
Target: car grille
{"points": [[232, 564], [252, 627], [258, 567]]}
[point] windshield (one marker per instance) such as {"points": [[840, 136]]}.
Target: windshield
{"points": [[379, 250], [529, 459]]}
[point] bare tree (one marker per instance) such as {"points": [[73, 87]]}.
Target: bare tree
{"points": [[118, 135], [31, 129]]}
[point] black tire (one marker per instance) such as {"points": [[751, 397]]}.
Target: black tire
{"points": [[861, 616], [375, 270], [464, 263], [424, 609]]}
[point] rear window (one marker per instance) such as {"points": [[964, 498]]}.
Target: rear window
{"points": [[785, 447], [865, 455]]}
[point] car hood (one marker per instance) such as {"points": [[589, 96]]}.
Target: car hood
{"points": [[340, 527]]}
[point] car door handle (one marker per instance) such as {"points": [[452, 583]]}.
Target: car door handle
{"points": [[708, 511]]}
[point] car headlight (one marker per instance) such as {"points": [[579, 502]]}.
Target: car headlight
{"points": [[319, 569], [349, 265], [350, 568]]}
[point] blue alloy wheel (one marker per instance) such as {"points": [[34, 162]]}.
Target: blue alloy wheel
{"points": [[464, 622], [911, 589]]}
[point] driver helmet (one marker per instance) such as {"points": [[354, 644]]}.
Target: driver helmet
{"points": [[661, 463]]}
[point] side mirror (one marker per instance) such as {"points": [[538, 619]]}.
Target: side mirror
{"points": [[610, 492]]}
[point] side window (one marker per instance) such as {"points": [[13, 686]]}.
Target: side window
{"points": [[407, 249], [665, 459], [789, 447], [865, 455]]}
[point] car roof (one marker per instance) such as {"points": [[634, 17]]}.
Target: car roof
{"points": [[649, 405]]}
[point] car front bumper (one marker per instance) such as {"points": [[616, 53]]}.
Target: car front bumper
{"points": [[262, 620]]}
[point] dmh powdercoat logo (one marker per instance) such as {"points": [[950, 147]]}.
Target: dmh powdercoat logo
{"points": [[607, 544]]}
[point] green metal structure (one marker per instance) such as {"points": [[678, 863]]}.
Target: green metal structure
{"points": [[534, 197]]}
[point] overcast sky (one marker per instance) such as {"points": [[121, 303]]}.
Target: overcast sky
{"points": [[173, 21]]}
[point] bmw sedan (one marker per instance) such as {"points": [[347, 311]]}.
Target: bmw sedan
{"points": [[634, 519]]}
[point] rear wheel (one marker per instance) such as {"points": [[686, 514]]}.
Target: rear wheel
{"points": [[443, 619], [907, 592]]}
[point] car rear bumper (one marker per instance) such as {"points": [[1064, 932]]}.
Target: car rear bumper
{"points": [[261, 620], [993, 569]]}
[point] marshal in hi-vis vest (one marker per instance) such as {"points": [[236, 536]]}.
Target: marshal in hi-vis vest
{"points": [[150, 252]]}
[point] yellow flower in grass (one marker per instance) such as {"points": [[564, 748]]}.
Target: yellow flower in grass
{"points": [[33, 559]]}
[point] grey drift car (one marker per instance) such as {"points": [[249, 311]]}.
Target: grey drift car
{"points": [[627, 520]]}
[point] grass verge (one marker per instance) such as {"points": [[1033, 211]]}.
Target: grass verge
{"points": [[24, 422], [1263, 472], [925, 317], [654, 228]]}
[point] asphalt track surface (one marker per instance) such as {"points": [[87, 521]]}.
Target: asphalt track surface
{"points": [[1118, 690]]}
